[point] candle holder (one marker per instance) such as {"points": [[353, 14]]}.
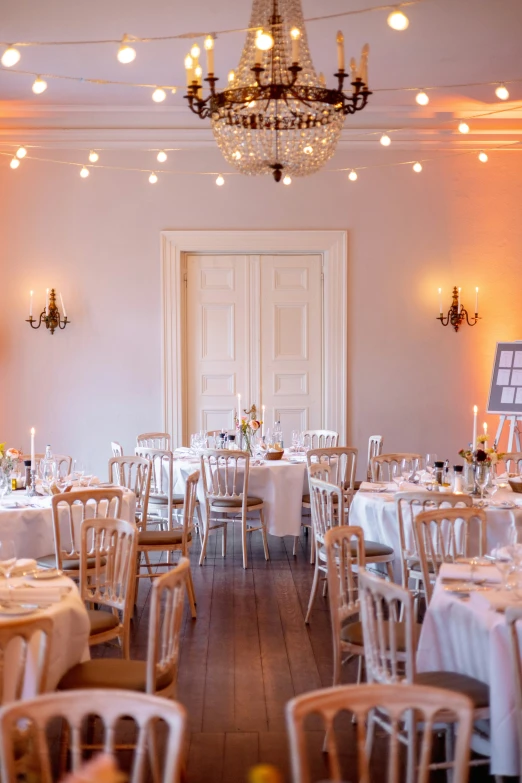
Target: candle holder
{"points": [[457, 314], [31, 493], [49, 316]]}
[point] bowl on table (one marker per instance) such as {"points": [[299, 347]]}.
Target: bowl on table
{"points": [[515, 484], [273, 455]]}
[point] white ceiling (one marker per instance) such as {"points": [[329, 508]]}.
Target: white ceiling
{"points": [[447, 42]]}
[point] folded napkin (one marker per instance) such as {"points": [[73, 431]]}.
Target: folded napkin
{"points": [[498, 600], [462, 571], [22, 566], [383, 486], [39, 594]]}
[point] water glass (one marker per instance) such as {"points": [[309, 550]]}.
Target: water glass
{"points": [[3, 483], [431, 458], [7, 560]]}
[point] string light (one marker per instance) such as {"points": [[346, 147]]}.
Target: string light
{"points": [[308, 149], [220, 180], [14, 163], [264, 41], [502, 93], [84, 172], [39, 86], [159, 95], [161, 157], [21, 152], [93, 156], [237, 155], [352, 176], [398, 20], [195, 51], [385, 140], [417, 167], [483, 157], [463, 127], [126, 54], [153, 178], [10, 57], [287, 180], [422, 98]]}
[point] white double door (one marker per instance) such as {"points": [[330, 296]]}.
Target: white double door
{"points": [[254, 327]]}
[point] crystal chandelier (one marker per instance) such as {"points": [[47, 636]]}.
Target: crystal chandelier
{"points": [[276, 115]]}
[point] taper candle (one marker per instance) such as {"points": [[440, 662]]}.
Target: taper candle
{"points": [[209, 48], [485, 426], [63, 306], [263, 408], [476, 301], [474, 441], [295, 35], [30, 304], [340, 51], [440, 301], [32, 449]]}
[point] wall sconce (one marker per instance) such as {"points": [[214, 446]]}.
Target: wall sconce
{"points": [[457, 314], [50, 315]]}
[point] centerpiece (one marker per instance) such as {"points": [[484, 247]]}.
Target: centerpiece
{"points": [[8, 460], [248, 427], [480, 464]]}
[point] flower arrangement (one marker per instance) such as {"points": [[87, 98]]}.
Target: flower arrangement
{"points": [[8, 458], [248, 426], [482, 454]]}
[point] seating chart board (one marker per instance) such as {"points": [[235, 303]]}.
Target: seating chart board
{"points": [[505, 394]]}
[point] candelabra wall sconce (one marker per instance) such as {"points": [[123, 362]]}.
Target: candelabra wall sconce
{"points": [[50, 316], [457, 314]]}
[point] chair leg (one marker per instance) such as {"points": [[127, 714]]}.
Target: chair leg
{"points": [[296, 541], [312, 546], [147, 561], [313, 592], [200, 522], [191, 595], [389, 569], [337, 664], [263, 533], [244, 541], [225, 528], [205, 542]]}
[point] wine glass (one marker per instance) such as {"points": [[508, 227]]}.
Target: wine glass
{"points": [[431, 458], [78, 469], [481, 477], [7, 560], [407, 470], [397, 474], [3, 483], [87, 477]]}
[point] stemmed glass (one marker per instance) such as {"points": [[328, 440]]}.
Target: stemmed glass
{"points": [[430, 462], [7, 561], [397, 474], [78, 470], [3, 483], [481, 477]]}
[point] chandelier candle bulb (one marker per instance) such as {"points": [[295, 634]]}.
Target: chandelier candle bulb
{"points": [[161, 157], [363, 68], [189, 64], [295, 34], [195, 51], [474, 439], [340, 51], [353, 69], [209, 48], [220, 180]]}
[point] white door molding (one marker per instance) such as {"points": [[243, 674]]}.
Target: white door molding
{"points": [[332, 245]]}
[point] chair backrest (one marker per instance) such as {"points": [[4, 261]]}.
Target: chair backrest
{"points": [[382, 464], [396, 703], [148, 713], [445, 534], [225, 474], [408, 505], [513, 462], [108, 563], [327, 504], [165, 634], [63, 463], [374, 450], [320, 439], [389, 648], [513, 615], [21, 632], [116, 448], [69, 509], [342, 462], [155, 440], [344, 546], [134, 473]]}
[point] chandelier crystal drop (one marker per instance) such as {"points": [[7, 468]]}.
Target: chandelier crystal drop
{"points": [[276, 116]]}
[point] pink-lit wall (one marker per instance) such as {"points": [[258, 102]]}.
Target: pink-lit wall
{"points": [[98, 242]]}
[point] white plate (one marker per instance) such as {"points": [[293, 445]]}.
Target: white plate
{"points": [[18, 609], [464, 587], [502, 504], [45, 573]]}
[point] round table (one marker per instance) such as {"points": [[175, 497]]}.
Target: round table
{"points": [[281, 485]]}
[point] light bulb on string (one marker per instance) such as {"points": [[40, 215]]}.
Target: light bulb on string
{"points": [[264, 41], [385, 140], [161, 156], [502, 92], [21, 152], [39, 86], [174, 90], [153, 178], [422, 98], [287, 180], [14, 163], [398, 20], [84, 173], [93, 156], [482, 156], [126, 54], [159, 95], [352, 176], [220, 180], [195, 51], [463, 127], [10, 57], [417, 167]]}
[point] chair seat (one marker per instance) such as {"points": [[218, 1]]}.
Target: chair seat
{"points": [[415, 566], [161, 537], [371, 549], [158, 499], [49, 561], [234, 502], [357, 485], [101, 621], [112, 673], [353, 633], [476, 690]]}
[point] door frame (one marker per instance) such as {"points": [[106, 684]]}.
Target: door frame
{"points": [[330, 245]]}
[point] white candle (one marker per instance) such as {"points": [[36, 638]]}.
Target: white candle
{"points": [[340, 51], [32, 449], [47, 300], [353, 69], [440, 301], [476, 301], [458, 306], [485, 433], [31, 304], [63, 306], [363, 71], [295, 35], [239, 408], [209, 48], [474, 441], [263, 408]]}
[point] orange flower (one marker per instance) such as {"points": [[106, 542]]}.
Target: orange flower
{"points": [[254, 424]]}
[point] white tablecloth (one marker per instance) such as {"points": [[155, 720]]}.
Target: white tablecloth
{"points": [[376, 514], [280, 484], [462, 636], [31, 527], [69, 644]]}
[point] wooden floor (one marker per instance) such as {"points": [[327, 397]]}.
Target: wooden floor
{"points": [[247, 653]]}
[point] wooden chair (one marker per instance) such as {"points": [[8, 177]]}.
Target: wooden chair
{"points": [[133, 473], [225, 484], [154, 440], [374, 449], [22, 632], [397, 703], [444, 535], [389, 652], [116, 448], [513, 462], [513, 615], [158, 674], [76, 710], [382, 461], [111, 544], [175, 538], [320, 439], [89, 503], [63, 463]]}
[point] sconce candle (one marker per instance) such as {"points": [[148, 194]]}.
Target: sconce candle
{"points": [[51, 315], [457, 313], [33, 466], [474, 439], [63, 306], [30, 304]]}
